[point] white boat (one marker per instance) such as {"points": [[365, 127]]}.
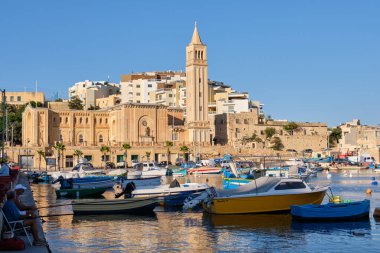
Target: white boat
{"points": [[173, 194], [80, 170], [147, 169]]}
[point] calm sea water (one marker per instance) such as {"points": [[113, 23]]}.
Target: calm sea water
{"points": [[199, 232]]}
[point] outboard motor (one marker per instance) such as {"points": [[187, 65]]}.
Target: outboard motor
{"points": [[129, 188]]}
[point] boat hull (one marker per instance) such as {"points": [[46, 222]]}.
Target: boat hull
{"points": [[262, 203], [123, 206], [80, 193], [332, 212]]}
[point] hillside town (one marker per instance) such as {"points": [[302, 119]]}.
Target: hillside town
{"points": [[160, 110]]}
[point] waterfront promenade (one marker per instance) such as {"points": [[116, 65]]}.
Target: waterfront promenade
{"points": [[28, 199]]}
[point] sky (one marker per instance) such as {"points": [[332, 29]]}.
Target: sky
{"points": [[314, 61]]}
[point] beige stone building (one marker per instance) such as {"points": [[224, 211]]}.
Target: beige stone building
{"points": [[360, 139], [22, 98], [231, 128]]}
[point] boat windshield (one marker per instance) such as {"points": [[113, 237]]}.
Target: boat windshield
{"points": [[260, 185]]}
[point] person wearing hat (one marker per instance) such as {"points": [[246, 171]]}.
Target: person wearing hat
{"points": [[24, 210], [13, 214]]}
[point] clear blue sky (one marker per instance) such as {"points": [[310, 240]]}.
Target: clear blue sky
{"points": [[305, 60]]}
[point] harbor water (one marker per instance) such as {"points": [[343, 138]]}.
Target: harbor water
{"points": [[199, 232]]}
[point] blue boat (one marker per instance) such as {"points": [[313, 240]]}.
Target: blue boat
{"points": [[350, 211]]}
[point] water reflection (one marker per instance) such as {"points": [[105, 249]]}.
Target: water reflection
{"points": [[200, 232]]}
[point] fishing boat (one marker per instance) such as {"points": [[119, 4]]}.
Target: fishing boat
{"points": [[85, 183], [80, 193], [205, 170], [114, 206], [173, 194], [350, 211], [263, 195]]}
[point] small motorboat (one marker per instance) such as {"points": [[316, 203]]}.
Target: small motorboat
{"points": [[262, 195], [135, 206], [173, 194], [80, 193], [350, 211], [205, 170], [85, 183]]}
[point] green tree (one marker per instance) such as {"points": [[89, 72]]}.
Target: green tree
{"points": [[78, 154], [93, 108], [126, 146], [291, 127], [335, 135], [184, 149], [248, 139], [168, 145], [105, 150], [75, 103], [269, 132], [59, 147], [58, 100], [41, 154], [277, 144]]}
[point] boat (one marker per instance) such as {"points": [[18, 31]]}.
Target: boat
{"points": [[141, 181], [84, 169], [173, 194], [115, 206], [147, 169], [262, 195], [231, 183], [350, 211], [205, 170], [85, 183], [80, 193]]}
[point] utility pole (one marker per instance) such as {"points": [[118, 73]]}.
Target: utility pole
{"points": [[3, 127]]}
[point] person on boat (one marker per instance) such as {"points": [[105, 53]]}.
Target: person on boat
{"points": [[24, 210], [12, 213]]}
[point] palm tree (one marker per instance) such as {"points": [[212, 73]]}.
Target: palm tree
{"points": [[41, 154], [147, 156], [126, 146], [78, 153], [168, 144], [105, 150], [60, 148], [185, 150]]}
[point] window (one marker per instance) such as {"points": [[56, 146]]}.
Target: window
{"points": [[138, 94], [100, 121], [88, 158], [170, 95], [130, 93], [106, 121], [290, 186], [53, 119], [86, 120], [246, 121], [237, 121], [100, 138], [200, 108], [107, 158], [18, 98], [80, 138], [138, 101], [69, 161], [80, 120], [149, 86], [12, 98], [138, 86], [66, 120], [60, 119], [60, 137]]}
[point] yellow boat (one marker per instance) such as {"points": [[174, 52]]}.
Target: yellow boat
{"points": [[263, 195]]}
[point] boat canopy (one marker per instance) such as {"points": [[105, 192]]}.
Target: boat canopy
{"points": [[260, 185]]}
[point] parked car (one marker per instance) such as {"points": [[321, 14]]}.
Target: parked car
{"points": [[164, 164], [340, 161], [120, 164], [308, 150], [110, 165]]}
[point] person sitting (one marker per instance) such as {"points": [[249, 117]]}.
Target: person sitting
{"points": [[25, 210], [13, 214]]}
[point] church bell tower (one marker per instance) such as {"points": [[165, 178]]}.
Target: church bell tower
{"points": [[197, 90]]}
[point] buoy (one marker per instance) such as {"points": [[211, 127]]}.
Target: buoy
{"points": [[376, 213], [369, 191], [328, 175], [373, 178], [350, 174], [374, 183]]}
